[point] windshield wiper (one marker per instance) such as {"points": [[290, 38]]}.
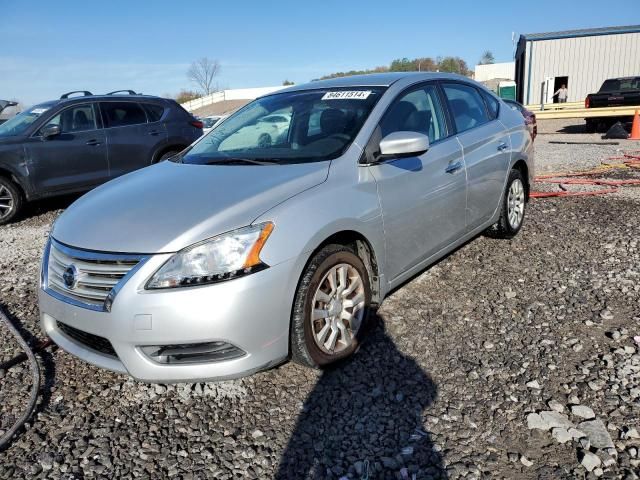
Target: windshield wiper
{"points": [[236, 161]]}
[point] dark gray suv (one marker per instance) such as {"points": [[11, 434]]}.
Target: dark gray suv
{"points": [[78, 142]]}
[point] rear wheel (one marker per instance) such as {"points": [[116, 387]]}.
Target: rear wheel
{"points": [[167, 155], [591, 126], [331, 307], [10, 200], [513, 208]]}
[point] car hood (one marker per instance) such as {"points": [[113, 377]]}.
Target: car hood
{"points": [[169, 206]]}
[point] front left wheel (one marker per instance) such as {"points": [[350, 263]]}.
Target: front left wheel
{"points": [[10, 200], [331, 307]]}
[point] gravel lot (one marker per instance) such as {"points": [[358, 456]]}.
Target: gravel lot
{"points": [[492, 364]]}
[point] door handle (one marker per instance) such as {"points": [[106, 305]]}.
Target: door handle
{"points": [[453, 167], [93, 143], [154, 133], [502, 147]]}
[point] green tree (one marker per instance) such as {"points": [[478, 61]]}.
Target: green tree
{"points": [[287, 83], [453, 65]]}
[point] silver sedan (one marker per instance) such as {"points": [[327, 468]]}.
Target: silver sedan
{"points": [[238, 255]]}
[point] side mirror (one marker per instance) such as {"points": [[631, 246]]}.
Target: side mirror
{"points": [[50, 131], [404, 144]]}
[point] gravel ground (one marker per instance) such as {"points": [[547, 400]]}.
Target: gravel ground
{"points": [[492, 364]]}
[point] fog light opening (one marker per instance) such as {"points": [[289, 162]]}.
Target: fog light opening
{"points": [[192, 353]]}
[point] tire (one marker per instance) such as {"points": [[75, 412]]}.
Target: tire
{"points": [[305, 349], [264, 140], [167, 155], [591, 126], [515, 196], [11, 200]]}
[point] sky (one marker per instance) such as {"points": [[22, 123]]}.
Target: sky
{"points": [[48, 48]]}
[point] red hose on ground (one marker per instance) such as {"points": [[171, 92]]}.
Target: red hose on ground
{"points": [[630, 159]]}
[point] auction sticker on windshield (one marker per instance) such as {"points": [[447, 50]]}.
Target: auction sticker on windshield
{"points": [[347, 95]]}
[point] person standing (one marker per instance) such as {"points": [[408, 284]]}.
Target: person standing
{"points": [[562, 94]]}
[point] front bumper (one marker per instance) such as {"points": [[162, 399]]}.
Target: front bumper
{"points": [[252, 313]]}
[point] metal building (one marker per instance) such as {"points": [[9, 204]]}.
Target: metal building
{"points": [[580, 59]]}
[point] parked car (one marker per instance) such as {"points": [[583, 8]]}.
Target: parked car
{"points": [[263, 132], [211, 121], [230, 259], [529, 116], [614, 92], [78, 142]]}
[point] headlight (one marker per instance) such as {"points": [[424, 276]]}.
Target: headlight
{"points": [[220, 258]]}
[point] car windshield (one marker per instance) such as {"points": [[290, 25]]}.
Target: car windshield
{"points": [[21, 122], [620, 84], [293, 127]]}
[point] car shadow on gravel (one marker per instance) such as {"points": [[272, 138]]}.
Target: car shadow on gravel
{"points": [[364, 419]]}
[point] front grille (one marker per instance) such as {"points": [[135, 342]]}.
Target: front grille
{"points": [[86, 278], [89, 340]]}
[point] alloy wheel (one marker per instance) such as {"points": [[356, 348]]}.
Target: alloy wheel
{"points": [[6, 201], [516, 203], [338, 308]]}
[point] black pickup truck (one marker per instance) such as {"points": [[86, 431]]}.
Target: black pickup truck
{"points": [[614, 92]]}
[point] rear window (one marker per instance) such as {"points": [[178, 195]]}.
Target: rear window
{"points": [[492, 105], [121, 114], [154, 112], [620, 84]]}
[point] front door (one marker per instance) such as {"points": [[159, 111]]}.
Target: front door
{"points": [[423, 198], [74, 160]]}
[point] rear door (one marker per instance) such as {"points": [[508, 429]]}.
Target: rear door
{"points": [[486, 148], [133, 140], [74, 160], [423, 198]]}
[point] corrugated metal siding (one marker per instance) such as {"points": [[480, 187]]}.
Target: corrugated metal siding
{"points": [[587, 61]]}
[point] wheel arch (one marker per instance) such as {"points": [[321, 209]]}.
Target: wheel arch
{"points": [[363, 249], [523, 168], [165, 149], [14, 178]]}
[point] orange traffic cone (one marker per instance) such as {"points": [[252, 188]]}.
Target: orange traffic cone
{"points": [[635, 129]]}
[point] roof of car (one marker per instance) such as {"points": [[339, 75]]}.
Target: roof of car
{"points": [[370, 80], [109, 97]]}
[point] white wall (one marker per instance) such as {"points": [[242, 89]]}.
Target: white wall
{"points": [[234, 94], [587, 61], [490, 71]]}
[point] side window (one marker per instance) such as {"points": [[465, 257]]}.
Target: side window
{"points": [[79, 118], [416, 111], [492, 105], [154, 111], [120, 114], [466, 105]]}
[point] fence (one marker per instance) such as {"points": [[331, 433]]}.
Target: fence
{"points": [[233, 94]]}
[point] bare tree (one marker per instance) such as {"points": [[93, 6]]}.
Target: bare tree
{"points": [[202, 72], [487, 58]]}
